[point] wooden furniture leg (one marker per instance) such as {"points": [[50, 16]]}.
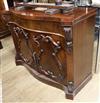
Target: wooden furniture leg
{"points": [[1, 45]]}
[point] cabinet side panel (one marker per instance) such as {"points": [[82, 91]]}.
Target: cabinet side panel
{"points": [[83, 38]]}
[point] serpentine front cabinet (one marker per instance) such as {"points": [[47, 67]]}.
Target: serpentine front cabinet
{"points": [[57, 49]]}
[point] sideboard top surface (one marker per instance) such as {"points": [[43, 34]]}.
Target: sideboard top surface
{"points": [[75, 15]]}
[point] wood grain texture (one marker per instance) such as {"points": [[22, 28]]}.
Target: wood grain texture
{"points": [[19, 86], [54, 48], [84, 36]]}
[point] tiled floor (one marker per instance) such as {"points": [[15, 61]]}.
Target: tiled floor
{"points": [[21, 87], [0, 92]]}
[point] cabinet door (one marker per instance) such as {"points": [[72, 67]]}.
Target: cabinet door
{"points": [[43, 51]]}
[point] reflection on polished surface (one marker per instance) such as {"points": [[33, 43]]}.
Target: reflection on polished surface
{"points": [[74, 14], [56, 48]]}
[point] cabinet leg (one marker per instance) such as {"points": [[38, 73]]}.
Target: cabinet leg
{"points": [[68, 94], [1, 45], [69, 90], [18, 60]]}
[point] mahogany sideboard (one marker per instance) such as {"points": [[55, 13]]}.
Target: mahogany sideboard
{"points": [[56, 49]]}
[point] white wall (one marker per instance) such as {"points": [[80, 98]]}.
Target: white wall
{"points": [[6, 5]]}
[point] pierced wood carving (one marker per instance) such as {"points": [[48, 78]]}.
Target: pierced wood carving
{"points": [[36, 56]]}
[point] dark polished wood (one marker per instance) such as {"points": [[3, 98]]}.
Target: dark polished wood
{"points": [[1, 45], [3, 25], [57, 49], [4, 31]]}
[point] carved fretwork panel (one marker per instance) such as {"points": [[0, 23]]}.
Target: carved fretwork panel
{"points": [[44, 52], [49, 54]]}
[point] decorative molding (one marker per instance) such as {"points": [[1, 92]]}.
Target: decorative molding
{"points": [[68, 37]]}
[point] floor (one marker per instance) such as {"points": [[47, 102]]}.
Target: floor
{"points": [[19, 86], [0, 91]]}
